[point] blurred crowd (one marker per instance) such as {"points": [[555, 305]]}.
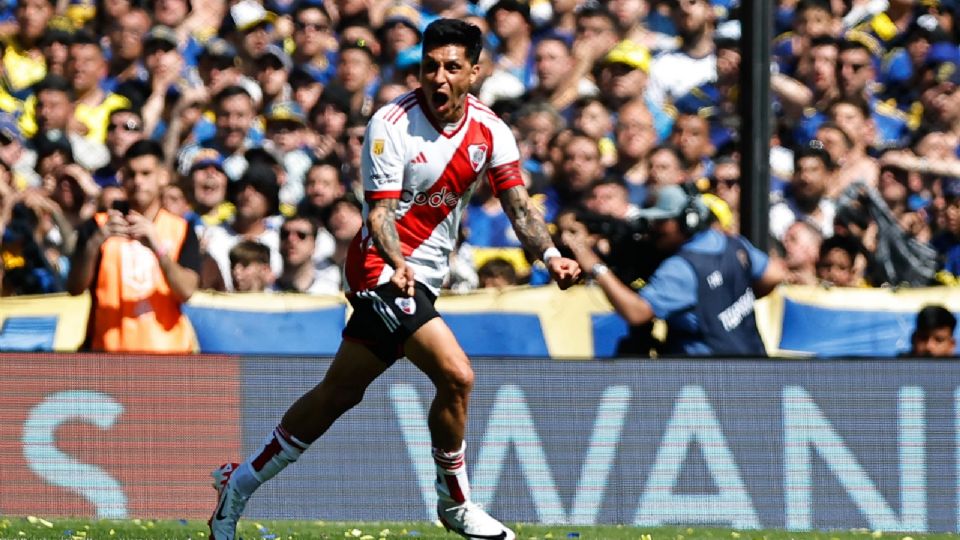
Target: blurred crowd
{"points": [[260, 108]]}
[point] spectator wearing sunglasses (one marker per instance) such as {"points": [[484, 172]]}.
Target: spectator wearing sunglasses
{"points": [[124, 127], [316, 46], [300, 274]]}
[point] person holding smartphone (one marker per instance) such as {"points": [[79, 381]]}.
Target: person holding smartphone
{"points": [[140, 264]]}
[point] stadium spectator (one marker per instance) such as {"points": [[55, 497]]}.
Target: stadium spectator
{"points": [[272, 73], [801, 252], [580, 167], [667, 167], [124, 127], [497, 273], [559, 81], [300, 273], [126, 46], [86, 69], [250, 267], [256, 197], [235, 112], [314, 41], [139, 263], [933, 333], [358, 74], [704, 290], [510, 22], [23, 62], [837, 262], [805, 198], [393, 293], [674, 74], [53, 117]]}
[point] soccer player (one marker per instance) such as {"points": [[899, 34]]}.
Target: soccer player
{"points": [[423, 155]]}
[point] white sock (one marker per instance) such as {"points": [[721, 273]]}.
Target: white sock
{"points": [[452, 482], [279, 450]]}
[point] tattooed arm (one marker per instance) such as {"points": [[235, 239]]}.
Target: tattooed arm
{"points": [[383, 231], [526, 219], [532, 232]]}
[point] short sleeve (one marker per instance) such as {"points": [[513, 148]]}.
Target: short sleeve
{"points": [[504, 171], [672, 288], [758, 259], [382, 160]]}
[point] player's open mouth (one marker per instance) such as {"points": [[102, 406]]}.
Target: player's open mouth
{"points": [[440, 99]]}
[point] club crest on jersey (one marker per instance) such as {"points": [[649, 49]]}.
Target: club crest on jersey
{"points": [[478, 155], [407, 305], [377, 147]]}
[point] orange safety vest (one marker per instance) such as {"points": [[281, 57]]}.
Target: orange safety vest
{"points": [[133, 308]]}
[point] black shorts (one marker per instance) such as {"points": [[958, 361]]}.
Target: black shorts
{"points": [[383, 319]]}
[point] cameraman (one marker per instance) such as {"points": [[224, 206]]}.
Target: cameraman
{"points": [[705, 288]]}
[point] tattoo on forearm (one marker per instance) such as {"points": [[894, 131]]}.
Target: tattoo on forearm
{"points": [[527, 221], [383, 230]]}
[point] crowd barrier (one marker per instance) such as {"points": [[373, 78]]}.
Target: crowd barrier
{"points": [[521, 322], [744, 443]]}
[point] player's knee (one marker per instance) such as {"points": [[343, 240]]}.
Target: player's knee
{"points": [[458, 378]]}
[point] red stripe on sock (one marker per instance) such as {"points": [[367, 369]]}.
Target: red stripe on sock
{"points": [[269, 451], [454, 487], [290, 440]]}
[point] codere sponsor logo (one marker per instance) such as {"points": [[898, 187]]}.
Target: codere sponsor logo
{"points": [[444, 197]]}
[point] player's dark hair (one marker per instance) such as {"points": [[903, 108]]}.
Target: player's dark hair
{"points": [[454, 32], [145, 147]]}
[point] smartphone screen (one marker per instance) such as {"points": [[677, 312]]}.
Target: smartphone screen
{"points": [[121, 206]]}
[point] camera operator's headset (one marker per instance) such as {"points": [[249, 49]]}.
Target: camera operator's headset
{"points": [[696, 214]]}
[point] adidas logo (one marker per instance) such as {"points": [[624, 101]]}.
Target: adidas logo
{"points": [[420, 159]]}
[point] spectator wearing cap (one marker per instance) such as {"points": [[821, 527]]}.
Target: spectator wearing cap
{"points": [[401, 29], [358, 74], [286, 130], [704, 289], [406, 68], [624, 75], [124, 127], [933, 333], [510, 22], [273, 73], [673, 74], [219, 67], [50, 113], [557, 80], [23, 62], [86, 68], [235, 133], [252, 32], [805, 198], [126, 47], [313, 37], [206, 191], [256, 196]]}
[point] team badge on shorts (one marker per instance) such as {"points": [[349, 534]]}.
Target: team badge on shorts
{"points": [[478, 155], [407, 305]]}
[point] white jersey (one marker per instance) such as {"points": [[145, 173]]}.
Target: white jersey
{"points": [[433, 171]]}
